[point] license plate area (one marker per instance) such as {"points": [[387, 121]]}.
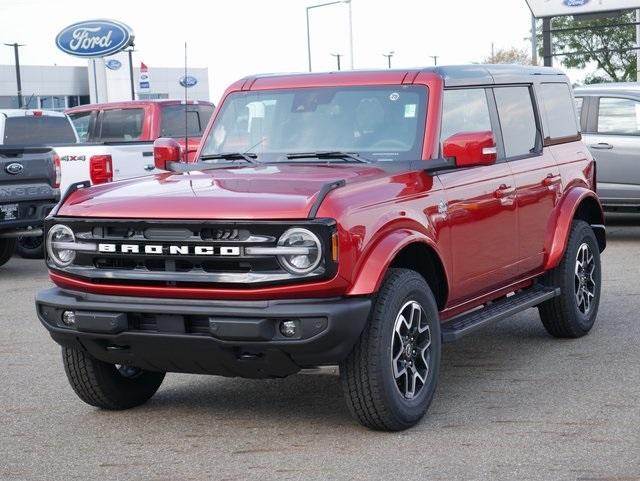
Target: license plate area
{"points": [[9, 212]]}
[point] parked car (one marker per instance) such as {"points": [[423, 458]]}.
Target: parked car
{"points": [[30, 128], [610, 118], [358, 219], [117, 138]]}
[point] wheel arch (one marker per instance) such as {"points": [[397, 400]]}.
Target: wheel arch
{"points": [[404, 249], [580, 203]]}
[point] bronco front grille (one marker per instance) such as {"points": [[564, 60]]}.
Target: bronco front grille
{"points": [[170, 252]]}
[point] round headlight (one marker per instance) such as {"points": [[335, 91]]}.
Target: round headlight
{"points": [[57, 234], [300, 263]]}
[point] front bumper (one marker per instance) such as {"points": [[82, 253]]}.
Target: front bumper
{"points": [[229, 338]]}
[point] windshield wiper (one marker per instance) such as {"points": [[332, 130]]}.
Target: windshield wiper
{"points": [[232, 156], [329, 155]]}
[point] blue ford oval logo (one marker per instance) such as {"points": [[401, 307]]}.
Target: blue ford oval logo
{"points": [[113, 64], [94, 38], [575, 3], [14, 168], [188, 81]]}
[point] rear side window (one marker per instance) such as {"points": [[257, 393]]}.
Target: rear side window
{"points": [[121, 125], [579, 102], [81, 121], [517, 120], [618, 116], [560, 111], [172, 123], [464, 110], [45, 130]]}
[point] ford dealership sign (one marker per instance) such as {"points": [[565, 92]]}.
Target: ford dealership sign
{"points": [[94, 38], [188, 81], [113, 64], [555, 8]]}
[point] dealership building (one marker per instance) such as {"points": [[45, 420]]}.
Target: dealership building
{"points": [[106, 79]]}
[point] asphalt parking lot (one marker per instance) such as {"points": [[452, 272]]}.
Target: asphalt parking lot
{"points": [[512, 404]]}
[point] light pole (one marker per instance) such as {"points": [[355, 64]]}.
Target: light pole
{"points": [[435, 58], [337, 56], [130, 51], [16, 54], [309, 30], [389, 55]]}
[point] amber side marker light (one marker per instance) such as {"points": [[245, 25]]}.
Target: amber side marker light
{"points": [[334, 247]]}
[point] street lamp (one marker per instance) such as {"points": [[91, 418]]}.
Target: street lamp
{"points": [[16, 46], [130, 51], [435, 58], [350, 29], [389, 55], [337, 56]]}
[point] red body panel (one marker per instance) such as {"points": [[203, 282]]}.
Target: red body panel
{"points": [[493, 227]]}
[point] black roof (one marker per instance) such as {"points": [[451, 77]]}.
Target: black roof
{"points": [[460, 75]]}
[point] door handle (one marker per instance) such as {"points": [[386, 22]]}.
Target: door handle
{"points": [[149, 167], [601, 146], [504, 191], [551, 179]]}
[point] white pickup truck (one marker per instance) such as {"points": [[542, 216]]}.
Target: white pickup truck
{"points": [[116, 139]]}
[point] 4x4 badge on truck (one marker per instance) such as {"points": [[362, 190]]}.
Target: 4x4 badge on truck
{"points": [[14, 168]]}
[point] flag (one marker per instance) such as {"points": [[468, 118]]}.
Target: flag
{"points": [[144, 79]]}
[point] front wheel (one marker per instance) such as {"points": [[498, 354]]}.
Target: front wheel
{"points": [[573, 313], [390, 376], [108, 386]]}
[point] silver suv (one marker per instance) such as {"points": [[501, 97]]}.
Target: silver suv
{"points": [[610, 119]]}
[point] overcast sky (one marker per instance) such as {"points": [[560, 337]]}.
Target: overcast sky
{"points": [[234, 38]]}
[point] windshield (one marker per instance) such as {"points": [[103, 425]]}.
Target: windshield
{"points": [[382, 123], [43, 130]]}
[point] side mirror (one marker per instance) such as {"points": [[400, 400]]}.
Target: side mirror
{"points": [[469, 149], [166, 150]]}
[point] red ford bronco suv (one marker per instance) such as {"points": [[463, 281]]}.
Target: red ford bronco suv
{"points": [[358, 219]]}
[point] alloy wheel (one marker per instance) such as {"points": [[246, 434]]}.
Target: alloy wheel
{"points": [[584, 284], [411, 349]]}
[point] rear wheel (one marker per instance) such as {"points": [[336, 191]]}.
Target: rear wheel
{"points": [[108, 386], [30, 247], [7, 248], [390, 377], [573, 313]]}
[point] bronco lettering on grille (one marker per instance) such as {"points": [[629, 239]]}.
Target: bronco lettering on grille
{"points": [[158, 249]]}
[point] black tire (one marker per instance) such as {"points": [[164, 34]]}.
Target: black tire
{"points": [[7, 248], [106, 386], [371, 387], [566, 316], [30, 247]]}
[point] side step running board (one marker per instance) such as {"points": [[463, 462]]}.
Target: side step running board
{"points": [[498, 310]]}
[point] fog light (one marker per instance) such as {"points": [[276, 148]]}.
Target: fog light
{"points": [[289, 328], [69, 318]]}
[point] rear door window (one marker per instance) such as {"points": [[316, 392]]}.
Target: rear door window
{"points": [[618, 116], [174, 119], [32, 130], [560, 112], [517, 120], [121, 125], [82, 122], [464, 110]]}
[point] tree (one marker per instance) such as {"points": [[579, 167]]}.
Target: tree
{"points": [[510, 55], [606, 44]]}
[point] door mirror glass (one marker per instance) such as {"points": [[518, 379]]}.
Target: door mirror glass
{"points": [[468, 149], [166, 150]]}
